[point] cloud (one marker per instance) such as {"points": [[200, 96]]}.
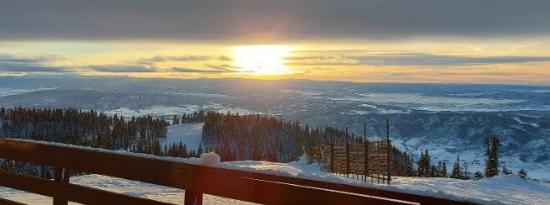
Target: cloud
{"points": [[9, 67], [122, 68], [209, 68], [28, 64], [187, 58], [412, 59], [225, 58], [222, 67], [407, 59], [321, 60], [194, 70], [4, 58], [283, 19]]}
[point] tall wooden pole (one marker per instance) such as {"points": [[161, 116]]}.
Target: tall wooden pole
{"points": [[332, 157], [388, 146], [347, 154], [366, 151]]}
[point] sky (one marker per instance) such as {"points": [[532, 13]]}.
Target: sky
{"points": [[433, 41]]}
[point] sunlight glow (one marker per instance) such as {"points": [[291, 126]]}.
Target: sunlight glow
{"points": [[262, 59]]}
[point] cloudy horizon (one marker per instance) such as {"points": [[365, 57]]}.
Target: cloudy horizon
{"points": [[469, 41]]}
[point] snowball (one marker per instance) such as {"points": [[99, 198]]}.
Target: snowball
{"points": [[210, 159]]}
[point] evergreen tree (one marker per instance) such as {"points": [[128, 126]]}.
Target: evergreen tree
{"points": [[424, 167], [433, 171], [491, 164], [199, 151], [505, 170], [457, 170], [176, 120]]}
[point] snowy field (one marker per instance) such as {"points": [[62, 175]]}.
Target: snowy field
{"points": [[497, 190], [189, 134]]}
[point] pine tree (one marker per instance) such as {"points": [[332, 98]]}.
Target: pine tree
{"points": [[491, 163], [176, 120], [457, 170], [433, 171], [199, 151], [424, 167]]}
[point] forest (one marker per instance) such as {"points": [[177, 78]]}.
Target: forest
{"points": [[232, 136]]}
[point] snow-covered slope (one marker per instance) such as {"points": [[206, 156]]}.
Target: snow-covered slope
{"points": [[189, 134], [498, 190]]}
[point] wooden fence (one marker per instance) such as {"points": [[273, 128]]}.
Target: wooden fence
{"points": [[360, 160], [196, 180]]}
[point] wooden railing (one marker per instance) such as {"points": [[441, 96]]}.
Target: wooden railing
{"points": [[196, 180]]}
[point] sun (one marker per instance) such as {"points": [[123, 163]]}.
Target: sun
{"points": [[262, 59]]}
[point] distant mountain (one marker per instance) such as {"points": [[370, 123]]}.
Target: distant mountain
{"points": [[448, 119]]}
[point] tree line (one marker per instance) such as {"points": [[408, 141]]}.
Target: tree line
{"points": [[460, 167], [232, 136], [80, 127]]}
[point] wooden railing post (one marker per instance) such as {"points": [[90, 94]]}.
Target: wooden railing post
{"points": [[332, 158], [61, 176], [193, 197], [347, 154], [388, 151]]}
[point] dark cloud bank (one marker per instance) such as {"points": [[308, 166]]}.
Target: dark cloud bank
{"points": [[293, 19], [408, 59]]}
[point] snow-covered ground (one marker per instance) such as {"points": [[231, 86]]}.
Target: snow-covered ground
{"points": [[498, 190], [189, 134], [159, 110], [118, 185]]}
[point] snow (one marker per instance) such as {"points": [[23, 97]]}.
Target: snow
{"points": [[189, 134], [122, 186], [498, 190], [501, 189], [15, 91], [153, 110], [210, 159], [525, 123], [175, 110], [421, 101]]}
